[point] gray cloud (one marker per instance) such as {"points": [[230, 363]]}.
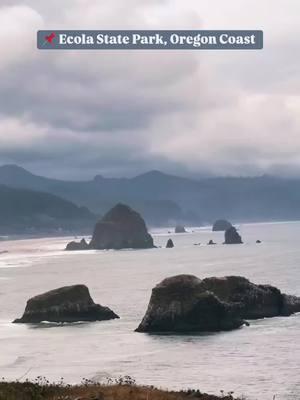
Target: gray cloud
{"points": [[75, 114]]}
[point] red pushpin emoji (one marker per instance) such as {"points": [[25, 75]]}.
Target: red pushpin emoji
{"points": [[49, 38]]}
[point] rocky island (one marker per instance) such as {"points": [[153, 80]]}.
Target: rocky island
{"points": [[232, 236], [120, 228], [184, 303], [180, 229], [221, 225], [65, 304]]}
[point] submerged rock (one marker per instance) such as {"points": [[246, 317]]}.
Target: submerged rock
{"points": [[232, 236], [178, 304], [221, 225], [82, 245], [185, 303], [65, 304], [180, 229], [121, 228], [170, 244]]}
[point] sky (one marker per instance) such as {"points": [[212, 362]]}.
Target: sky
{"points": [[74, 114]]}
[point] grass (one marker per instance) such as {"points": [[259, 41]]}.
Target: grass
{"points": [[120, 389]]}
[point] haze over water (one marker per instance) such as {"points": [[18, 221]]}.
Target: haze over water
{"points": [[258, 361]]}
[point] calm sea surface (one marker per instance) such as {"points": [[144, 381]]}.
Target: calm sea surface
{"points": [[259, 361]]}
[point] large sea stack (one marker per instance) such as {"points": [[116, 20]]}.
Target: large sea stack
{"points": [[232, 236], [66, 304], [121, 228], [179, 304], [185, 303], [221, 225]]}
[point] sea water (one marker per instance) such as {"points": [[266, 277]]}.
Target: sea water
{"points": [[259, 361]]}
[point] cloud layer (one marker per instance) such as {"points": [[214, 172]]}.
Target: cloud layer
{"points": [[74, 114]]}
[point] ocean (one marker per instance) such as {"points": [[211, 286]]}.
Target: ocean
{"points": [[258, 361]]}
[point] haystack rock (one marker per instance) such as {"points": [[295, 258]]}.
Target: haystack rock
{"points": [[82, 245], [170, 244], [221, 225], [66, 304], [121, 228], [232, 236], [180, 229], [185, 303]]}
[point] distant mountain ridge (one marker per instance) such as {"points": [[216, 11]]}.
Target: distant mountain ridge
{"points": [[28, 211], [168, 199]]}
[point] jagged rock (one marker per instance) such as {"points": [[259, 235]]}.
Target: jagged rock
{"points": [[180, 229], [178, 304], [232, 236], [221, 225], [66, 304], [82, 245], [211, 242], [170, 244], [185, 303]]}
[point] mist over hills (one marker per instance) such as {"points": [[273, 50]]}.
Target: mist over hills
{"points": [[27, 211], [167, 199]]}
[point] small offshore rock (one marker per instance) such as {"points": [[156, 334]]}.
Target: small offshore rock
{"points": [[232, 236], [211, 242], [170, 244], [180, 229], [73, 246]]}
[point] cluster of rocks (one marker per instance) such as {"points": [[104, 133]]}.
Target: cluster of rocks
{"points": [[185, 303], [182, 303], [120, 228]]}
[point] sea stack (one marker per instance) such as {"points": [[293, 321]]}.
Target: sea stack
{"points": [[170, 244], [73, 246], [184, 303], [221, 225], [120, 228], [65, 304], [179, 304], [232, 236], [180, 229]]}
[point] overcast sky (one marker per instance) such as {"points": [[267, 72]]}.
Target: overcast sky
{"points": [[75, 114]]}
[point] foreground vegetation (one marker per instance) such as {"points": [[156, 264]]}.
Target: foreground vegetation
{"points": [[121, 389]]}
